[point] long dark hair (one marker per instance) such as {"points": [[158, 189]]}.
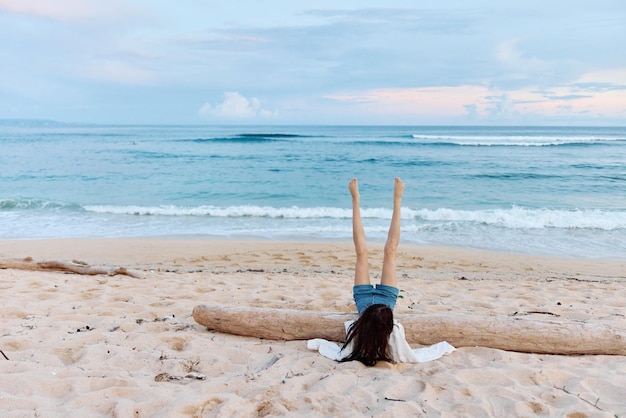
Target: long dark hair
{"points": [[369, 335]]}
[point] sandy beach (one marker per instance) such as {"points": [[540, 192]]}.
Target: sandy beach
{"points": [[121, 346]]}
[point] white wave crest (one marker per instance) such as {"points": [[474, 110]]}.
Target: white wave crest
{"points": [[511, 140], [514, 217], [522, 218], [232, 211]]}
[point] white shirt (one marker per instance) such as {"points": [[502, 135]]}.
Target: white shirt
{"points": [[399, 349]]}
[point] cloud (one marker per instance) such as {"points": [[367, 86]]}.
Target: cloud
{"points": [[71, 10], [502, 107], [413, 105], [568, 96], [480, 104], [224, 41], [514, 68], [472, 110], [118, 72], [611, 75], [235, 106], [602, 80], [416, 19]]}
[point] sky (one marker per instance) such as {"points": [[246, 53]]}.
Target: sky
{"points": [[281, 62]]}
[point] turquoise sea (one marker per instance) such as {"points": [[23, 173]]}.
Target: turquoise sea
{"points": [[557, 191]]}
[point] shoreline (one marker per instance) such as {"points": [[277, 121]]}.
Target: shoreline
{"points": [[80, 345], [138, 249]]}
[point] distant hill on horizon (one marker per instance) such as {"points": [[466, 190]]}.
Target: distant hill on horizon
{"points": [[29, 122]]}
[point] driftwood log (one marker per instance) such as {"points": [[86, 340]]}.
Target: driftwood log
{"points": [[505, 333], [76, 267]]}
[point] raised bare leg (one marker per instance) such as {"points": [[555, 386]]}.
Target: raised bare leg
{"points": [[361, 271], [393, 238]]}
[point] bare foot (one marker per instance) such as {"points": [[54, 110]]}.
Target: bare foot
{"points": [[353, 186], [398, 189]]}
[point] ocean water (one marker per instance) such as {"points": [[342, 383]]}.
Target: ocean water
{"points": [[556, 191]]}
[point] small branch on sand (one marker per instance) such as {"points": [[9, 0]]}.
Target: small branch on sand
{"points": [[66, 266], [166, 377], [595, 405], [4, 355], [534, 312], [270, 363]]}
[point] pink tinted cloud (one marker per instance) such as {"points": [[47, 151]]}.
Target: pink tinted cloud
{"points": [[71, 10], [426, 101], [484, 103]]}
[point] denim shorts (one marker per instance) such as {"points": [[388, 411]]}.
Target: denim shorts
{"points": [[366, 295]]}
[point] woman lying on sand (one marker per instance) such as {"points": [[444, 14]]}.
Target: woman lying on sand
{"points": [[368, 337], [375, 336]]}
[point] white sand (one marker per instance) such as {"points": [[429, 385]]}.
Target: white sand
{"points": [[139, 329]]}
